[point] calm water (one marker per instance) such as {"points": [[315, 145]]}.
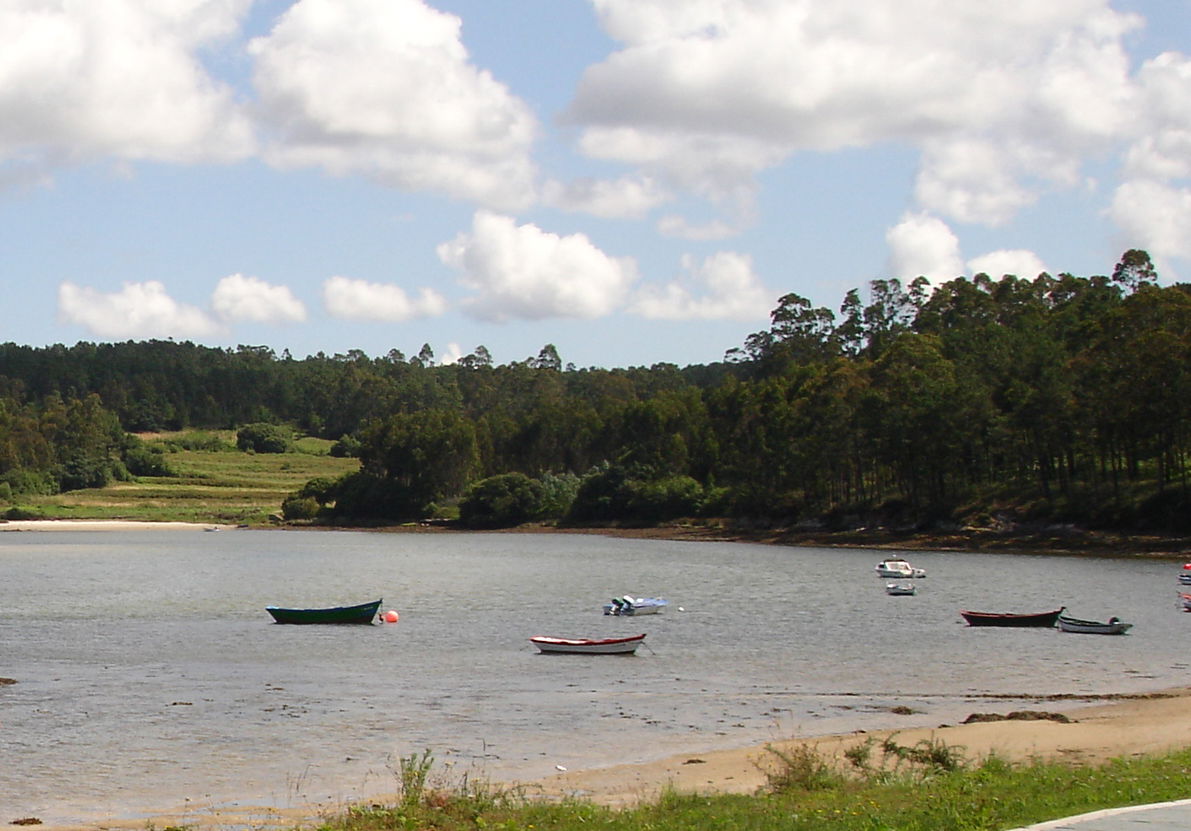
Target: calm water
{"points": [[150, 676]]}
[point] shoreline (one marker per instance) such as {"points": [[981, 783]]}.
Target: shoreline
{"points": [[1115, 726], [13, 525], [1054, 540], [1094, 732]]}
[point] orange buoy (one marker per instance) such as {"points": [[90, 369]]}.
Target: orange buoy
{"points": [[391, 616]]}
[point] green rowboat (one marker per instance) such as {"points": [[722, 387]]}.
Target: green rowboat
{"points": [[364, 613]]}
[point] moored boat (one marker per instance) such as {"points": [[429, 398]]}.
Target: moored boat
{"points": [[588, 646], [1185, 574], [1186, 601], [362, 613], [897, 567], [900, 589], [1039, 619], [628, 605], [1112, 626]]}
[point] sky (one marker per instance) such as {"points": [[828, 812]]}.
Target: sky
{"points": [[631, 181]]}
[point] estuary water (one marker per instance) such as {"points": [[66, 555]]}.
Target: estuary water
{"points": [[150, 679]]}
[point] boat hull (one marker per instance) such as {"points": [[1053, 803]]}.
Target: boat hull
{"points": [[588, 646], [1040, 619], [900, 590], [1094, 627], [363, 613]]}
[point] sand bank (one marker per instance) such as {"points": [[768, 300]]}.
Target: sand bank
{"points": [[105, 525], [1116, 727], [1119, 727]]}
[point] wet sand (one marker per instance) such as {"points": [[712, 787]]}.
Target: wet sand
{"points": [[1117, 727], [1114, 727]]}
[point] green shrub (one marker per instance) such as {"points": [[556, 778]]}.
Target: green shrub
{"points": [[300, 507], [30, 482], [265, 438], [146, 460], [347, 447], [502, 501]]}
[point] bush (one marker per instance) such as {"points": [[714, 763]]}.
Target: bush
{"points": [[322, 489], [146, 460], [662, 499], [502, 501], [363, 495], [608, 494], [30, 482], [300, 507], [265, 438], [601, 496], [558, 494], [348, 447]]}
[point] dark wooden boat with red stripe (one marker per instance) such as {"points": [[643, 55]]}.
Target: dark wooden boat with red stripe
{"points": [[1039, 619]]}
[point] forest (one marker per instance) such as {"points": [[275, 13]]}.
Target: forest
{"points": [[1056, 399]]}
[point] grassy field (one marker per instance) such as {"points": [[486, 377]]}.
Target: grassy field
{"points": [[212, 486]]}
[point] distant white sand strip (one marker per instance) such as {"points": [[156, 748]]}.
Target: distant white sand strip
{"points": [[104, 525]]}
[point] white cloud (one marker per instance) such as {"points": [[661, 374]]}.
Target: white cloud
{"points": [[139, 310], [923, 246], [996, 264], [385, 89], [523, 272], [383, 302], [238, 297], [626, 198], [80, 81], [721, 287], [452, 355], [706, 94], [679, 227], [1155, 216], [1163, 151]]}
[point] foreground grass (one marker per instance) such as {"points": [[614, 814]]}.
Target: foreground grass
{"points": [[224, 486], [931, 794]]}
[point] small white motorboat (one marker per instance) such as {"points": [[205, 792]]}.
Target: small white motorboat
{"points": [[588, 646], [1185, 574], [628, 605], [1113, 626], [897, 567], [900, 589]]}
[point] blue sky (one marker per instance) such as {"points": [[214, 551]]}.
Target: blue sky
{"points": [[633, 181]]}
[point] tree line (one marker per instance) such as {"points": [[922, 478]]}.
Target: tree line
{"points": [[1059, 398]]}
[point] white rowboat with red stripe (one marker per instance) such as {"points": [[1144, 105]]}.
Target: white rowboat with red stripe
{"points": [[589, 646]]}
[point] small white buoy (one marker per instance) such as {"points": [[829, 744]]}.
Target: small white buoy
{"points": [[681, 609], [559, 767]]}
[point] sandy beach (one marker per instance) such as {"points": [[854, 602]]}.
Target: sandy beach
{"points": [[105, 525], [1114, 727]]}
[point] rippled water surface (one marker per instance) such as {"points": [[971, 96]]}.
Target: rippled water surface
{"points": [[149, 675]]}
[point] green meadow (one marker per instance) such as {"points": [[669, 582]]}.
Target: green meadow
{"points": [[220, 485]]}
